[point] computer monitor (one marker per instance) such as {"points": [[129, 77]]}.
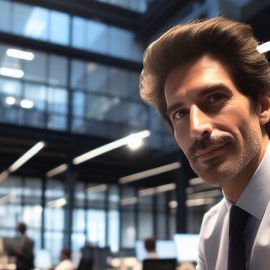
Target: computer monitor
{"points": [[42, 259], [187, 247], [164, 249]]}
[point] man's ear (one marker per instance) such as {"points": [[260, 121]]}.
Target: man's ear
{"points": [[264, 105]]}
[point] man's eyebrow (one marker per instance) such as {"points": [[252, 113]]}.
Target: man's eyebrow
{"points": [[202, 92]]}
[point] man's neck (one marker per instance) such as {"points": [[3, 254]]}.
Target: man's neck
{"points": [[235, 187]]}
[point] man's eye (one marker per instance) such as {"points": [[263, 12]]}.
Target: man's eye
{"points": [[180, 114], [216, 97]]}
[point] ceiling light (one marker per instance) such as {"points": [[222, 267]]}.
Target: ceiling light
{"points": [[264, 47], [148, 173], [20, 54], [4, 175], [11, 72], [59, 169], [110, 146], [196, 181], [129, 201], [25, 157], [96, 189], [135, 144], [173, 204], [27, 104], [10, 100], [57, 203], [199, 202]]}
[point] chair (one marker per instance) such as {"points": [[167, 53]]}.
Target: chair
{"points": [[159, 264]]}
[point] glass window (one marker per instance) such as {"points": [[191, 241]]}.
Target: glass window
{"points": [[114, 230], [78, 32], [37, 94], [10, 87], [146, 223], [59, 27], [30, 21], [57, 100], [54, 242], [96, 195], [98, 77], [96, 227], [118, 82], [78, 102], [54, 218], [97, 37], [36, 69], [57, 70], [79, 74], [78, 241], [128, 229], [79, 220], [5, 15], [57, 122]]}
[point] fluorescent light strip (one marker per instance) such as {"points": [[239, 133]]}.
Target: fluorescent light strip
{"points": [[148, 173], [11, 72], [96, 189], [110, 146], [196, 181], [158, 189], [61, 168], [264, 47], [4, 175], [129, 201], [57, 203], [20, 54], [25, 157], [199, 202]]}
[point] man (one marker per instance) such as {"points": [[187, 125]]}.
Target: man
{"points": [[65, 261], [24, 251], [150, 248], [211, 85]]}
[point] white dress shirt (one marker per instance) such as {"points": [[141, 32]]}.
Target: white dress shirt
{"points": [[65, 265], [213, 247]]}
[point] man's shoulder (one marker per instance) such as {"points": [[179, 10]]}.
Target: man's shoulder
{"points": [[214, 213]]}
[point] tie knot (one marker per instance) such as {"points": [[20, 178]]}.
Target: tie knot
{"points": [[238, 218]]}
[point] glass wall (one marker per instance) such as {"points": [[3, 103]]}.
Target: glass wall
{"points": [[105, 216], [55, 27]]}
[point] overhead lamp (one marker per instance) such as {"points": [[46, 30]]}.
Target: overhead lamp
{"points": [[59, 169], [199, 202], [159, 189], [97, 189], [27, 103], [196, 181], [10, 100], [110, 146], [25, 157], [4, 175], [148, 173], [11, 72], [57, 203], [20, 54], [129, 201], [264, 47]]}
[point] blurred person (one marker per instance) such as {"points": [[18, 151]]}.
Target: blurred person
{"points": [[24, 255], [211, 85], [150, 247], [65, 261]]}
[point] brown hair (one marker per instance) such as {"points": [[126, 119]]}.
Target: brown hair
{"points": [[232, 42]]}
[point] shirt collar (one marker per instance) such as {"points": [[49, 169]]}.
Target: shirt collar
{"points": [[256, 195]]}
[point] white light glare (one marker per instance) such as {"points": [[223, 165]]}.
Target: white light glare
{"points": [[58, 203], [10, 100], [109, 147], [134, 142], [27, 104], [97, 189], [264, 47], [25, 157], [148, 173], [59, 169], [11, 72], [20, 54]]}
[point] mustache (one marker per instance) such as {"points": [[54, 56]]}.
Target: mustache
{"points": [[215, 138]]}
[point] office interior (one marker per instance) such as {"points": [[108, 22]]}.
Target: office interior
{"points": [[69, 102]]}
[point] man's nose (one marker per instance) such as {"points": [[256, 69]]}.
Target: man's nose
{"points": [[200, 123]]}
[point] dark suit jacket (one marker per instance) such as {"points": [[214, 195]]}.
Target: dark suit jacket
{"points": [[24, 253]]}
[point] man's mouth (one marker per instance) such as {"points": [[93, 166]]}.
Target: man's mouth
{"points": [[209, 152]]}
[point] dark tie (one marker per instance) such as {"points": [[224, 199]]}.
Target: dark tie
{"points": [[237, 248]]}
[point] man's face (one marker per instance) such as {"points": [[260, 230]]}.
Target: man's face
{"points": [[213, 122]]}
